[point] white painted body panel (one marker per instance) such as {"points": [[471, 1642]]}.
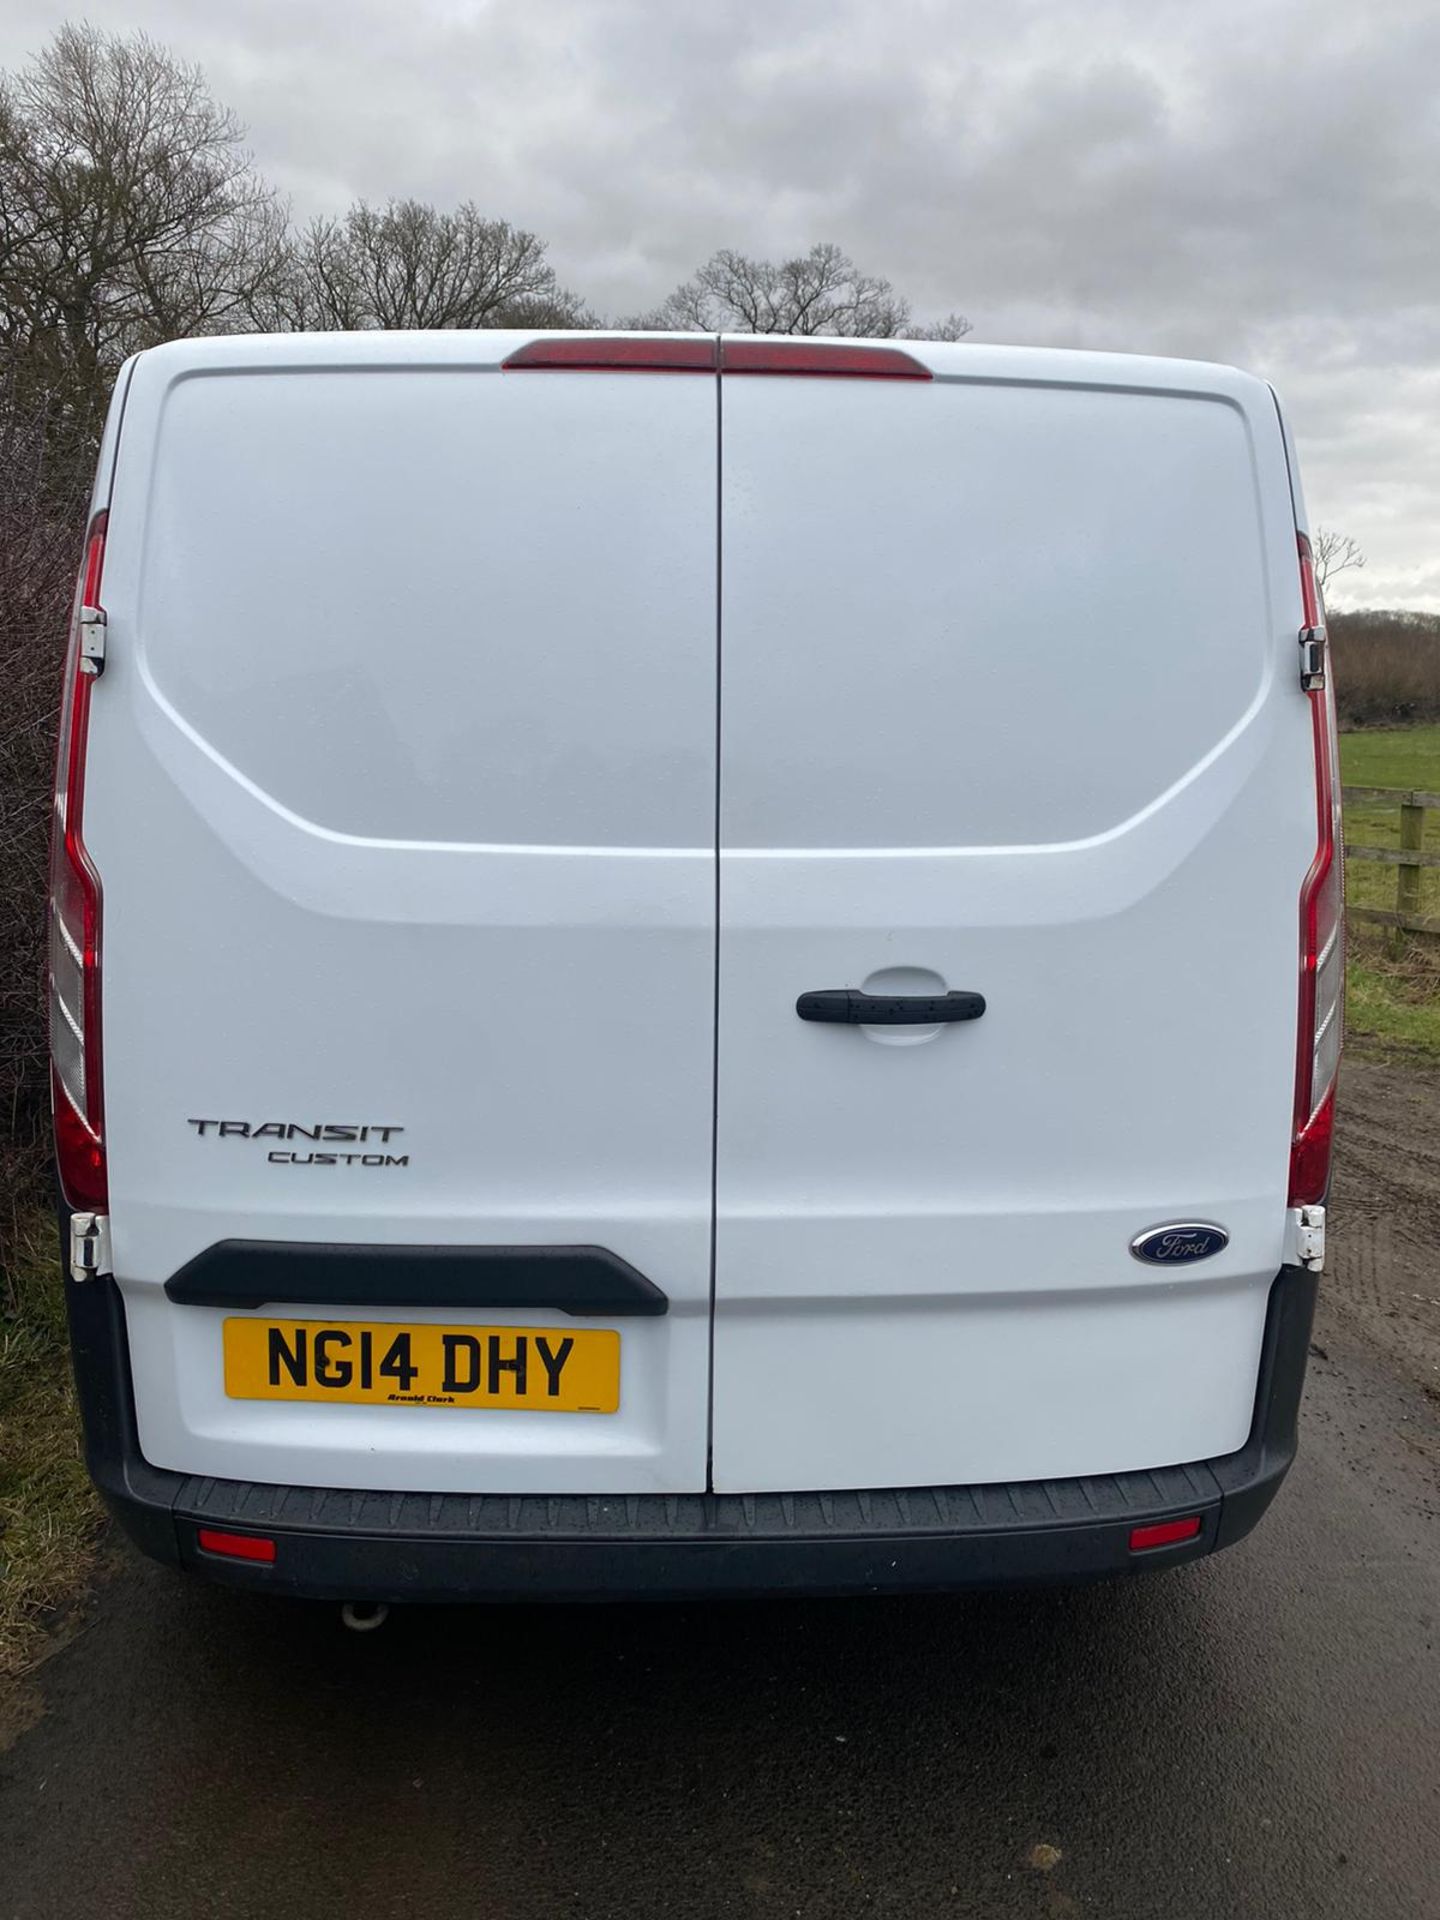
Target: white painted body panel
{"points": [[402, 790], [1009, 705]]}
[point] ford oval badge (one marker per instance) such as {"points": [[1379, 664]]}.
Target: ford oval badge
{"points": [[1177, 1244]]}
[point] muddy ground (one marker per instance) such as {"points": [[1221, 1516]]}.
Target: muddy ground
{"points": [[1383, 1268]]}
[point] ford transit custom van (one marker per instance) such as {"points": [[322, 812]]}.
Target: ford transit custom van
{"points": [[687, 964]]}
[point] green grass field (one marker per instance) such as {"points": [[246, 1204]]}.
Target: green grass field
{"points": [[1392, 757], [1393, 1004]]}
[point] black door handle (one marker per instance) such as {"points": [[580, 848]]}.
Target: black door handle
{"points": [[849, 1007]]}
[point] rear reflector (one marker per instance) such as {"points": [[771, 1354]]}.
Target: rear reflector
{"points": [[821, 358], [702, 353], [624, 353], [237, 1546], [74, 970], [1164, 1533], [1322, 939]]}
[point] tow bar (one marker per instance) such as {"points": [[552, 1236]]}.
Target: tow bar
{"points": [[364, 1616]]}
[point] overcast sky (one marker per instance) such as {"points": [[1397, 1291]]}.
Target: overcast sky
{"points": [[1245, 180]]}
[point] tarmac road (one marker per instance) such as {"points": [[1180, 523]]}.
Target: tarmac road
{"points": [[1258, 1735]]}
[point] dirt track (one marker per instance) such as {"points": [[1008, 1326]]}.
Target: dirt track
{"points": [[1384, 1254]]}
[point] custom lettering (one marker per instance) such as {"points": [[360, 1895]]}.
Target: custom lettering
{"points": [[278, 1159]]}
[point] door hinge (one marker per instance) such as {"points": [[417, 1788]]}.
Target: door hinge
{"points": [[1312, 658], [1310, 1237], [92, 640], [89, 1245]]}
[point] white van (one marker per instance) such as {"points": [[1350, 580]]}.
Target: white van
{"points": [[690, 964]]}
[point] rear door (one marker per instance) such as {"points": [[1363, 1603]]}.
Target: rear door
{"points": [[1009, 706], [402, 791]]}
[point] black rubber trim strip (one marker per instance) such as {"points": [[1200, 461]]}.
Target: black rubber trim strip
{"points": [[1248, 1479], [582, 1281]]}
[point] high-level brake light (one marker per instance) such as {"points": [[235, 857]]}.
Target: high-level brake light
{"points": [[703, 353], [614, 353], [1322, 939], [820, 358], [74, 973]]}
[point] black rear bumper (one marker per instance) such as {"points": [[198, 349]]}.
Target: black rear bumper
{"points": [[420, 1546]]}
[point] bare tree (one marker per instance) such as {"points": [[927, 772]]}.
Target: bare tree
{"points": [[129, 210], [409, 265], [129, 213], [1334, 553], [820, 292], [42, 508]]}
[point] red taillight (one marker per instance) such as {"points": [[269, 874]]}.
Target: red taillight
{"points": [[74, 975], [237, 1546], [820, 357], [1164, 1533], [1322, 941]]}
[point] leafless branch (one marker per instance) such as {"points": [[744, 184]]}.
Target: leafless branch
{"points": [[820, 292], [1334, 553]]}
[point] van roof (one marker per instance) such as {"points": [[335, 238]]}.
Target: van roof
{"points": [[946, 360]]}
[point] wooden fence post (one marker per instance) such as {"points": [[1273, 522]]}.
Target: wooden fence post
{"points": [[1407, 877], [1406, 923]]}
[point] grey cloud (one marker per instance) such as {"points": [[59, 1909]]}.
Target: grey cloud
{"points": [[1256, 183]]}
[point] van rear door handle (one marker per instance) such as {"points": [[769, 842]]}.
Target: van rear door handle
{"points": [[849, 1007]]}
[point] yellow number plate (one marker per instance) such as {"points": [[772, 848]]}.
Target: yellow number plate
{"points": [[385, 1363]]}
